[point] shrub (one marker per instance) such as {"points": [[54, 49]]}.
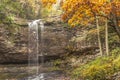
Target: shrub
{"points": [[99, 69], [115, 51]]}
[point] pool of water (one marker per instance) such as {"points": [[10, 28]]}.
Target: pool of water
{"points": [[21, 72]]}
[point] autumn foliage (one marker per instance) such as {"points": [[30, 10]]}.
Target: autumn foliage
{"points": [[84, 11], [48, 3]]}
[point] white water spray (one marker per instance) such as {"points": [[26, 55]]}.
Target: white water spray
{"points": [[34, 47]]}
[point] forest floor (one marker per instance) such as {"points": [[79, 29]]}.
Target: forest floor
{"points": [[91, 67]]}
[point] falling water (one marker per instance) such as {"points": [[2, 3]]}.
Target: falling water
{"points": [[42, 42], [34, 47]]}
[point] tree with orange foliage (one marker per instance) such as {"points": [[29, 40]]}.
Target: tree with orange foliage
{"points": [[48, 3], [85, 12]]}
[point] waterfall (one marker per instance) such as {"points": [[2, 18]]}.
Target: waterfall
{"points": [[33, 45], [42, 42]]}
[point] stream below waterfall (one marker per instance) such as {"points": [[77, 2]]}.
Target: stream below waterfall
{"points": [[20, 72], [54, 75]]}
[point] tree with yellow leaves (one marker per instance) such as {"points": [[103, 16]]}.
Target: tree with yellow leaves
{"points": [[48, 3], [85, 12]]}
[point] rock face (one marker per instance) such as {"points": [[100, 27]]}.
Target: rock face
{"points": [[16, 51], [10, 52], [54, 39]]}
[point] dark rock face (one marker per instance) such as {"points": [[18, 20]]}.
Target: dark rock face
{"points": [[54, 40], [11, 51], [16, 51]]}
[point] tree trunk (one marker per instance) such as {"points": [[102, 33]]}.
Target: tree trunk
{"points": [[106, 37], [116, 27], [98, 32], [115, 20]]}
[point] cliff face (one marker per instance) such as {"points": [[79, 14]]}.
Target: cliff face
{"points": [[10, 50], [14, 43], [54, 39]]}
